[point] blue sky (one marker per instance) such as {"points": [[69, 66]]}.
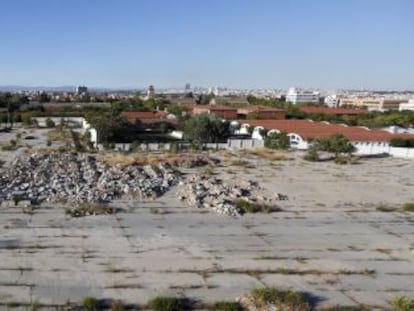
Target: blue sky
{"points": [[235, 43]]}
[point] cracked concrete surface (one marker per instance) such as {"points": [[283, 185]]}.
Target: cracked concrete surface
{"points": [[329, 241]]}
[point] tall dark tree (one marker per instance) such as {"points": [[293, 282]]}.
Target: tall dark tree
{"points": [[206, 128]]}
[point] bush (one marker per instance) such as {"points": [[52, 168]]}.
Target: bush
{"points": [[277, 141], [227, 306], [312, 155], [90, 303], [402, 142], [385, 208], [166, 304], [50, 123], [403, 304], [408, 207], [248, 207], [283, 299]]}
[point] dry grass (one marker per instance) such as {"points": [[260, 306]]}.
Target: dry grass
{"points": [[175, 160], [268, 154], [140, 159], [63, 135]]}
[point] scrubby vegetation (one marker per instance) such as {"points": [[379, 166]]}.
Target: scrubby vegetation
{"points": [[403, 304], [162, 303], [282, 299], [90, 303], [251, 207], [277, 141], [227, 306], [408, 206]]}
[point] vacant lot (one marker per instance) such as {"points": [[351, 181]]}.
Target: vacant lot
{"points": [[331, 240]]}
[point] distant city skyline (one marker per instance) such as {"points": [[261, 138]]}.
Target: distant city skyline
{"points": [[127, 44]]}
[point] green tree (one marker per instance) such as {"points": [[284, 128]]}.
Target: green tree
{"points": [[277, 141], [206, 98], [50, 123], [44, 98], [337, 144], [206, 128]]}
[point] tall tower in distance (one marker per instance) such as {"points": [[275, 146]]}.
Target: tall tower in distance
{"points": [[151, 92], [187, 87]]}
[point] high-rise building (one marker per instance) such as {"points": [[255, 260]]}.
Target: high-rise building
{"points": [[187, 86], [81, 90]]}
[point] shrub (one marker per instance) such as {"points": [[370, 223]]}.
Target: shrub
{"points": [[311, 155], [408, 207], [166, 304], [16, 198], [402, 142], [248, 207], [48, 143], [403, 304], [227, 306], [174, 147], [50, 123], [385, 208], [90, 303], [277, 141], [284, 299], [116, 306]]}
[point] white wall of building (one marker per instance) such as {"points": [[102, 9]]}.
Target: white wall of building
{"points": [[296, 96], [407, 106]]}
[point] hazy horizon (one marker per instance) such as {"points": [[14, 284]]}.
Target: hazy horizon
{"points": [[238, 44]]}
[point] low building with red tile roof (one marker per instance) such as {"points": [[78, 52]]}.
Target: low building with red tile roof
{"points": [[219, 111], [262, 112], [331, 111], [301, 132]]}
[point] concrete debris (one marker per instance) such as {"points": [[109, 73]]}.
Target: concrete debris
{"points": [[221, 196], [76, 178]]}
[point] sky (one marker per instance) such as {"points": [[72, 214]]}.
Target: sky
{"points": [[326, 44]]}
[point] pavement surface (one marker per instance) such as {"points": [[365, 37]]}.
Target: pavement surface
{"points": [[329, 241]]}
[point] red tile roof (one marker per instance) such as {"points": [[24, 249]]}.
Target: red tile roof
{"points": [[249, 109], [332, 111], [315, 130], [214, 108], [143, 114]]}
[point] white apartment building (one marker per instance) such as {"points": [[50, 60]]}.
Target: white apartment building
{"points": [[297, 96], [331, 100], [407, 106]]}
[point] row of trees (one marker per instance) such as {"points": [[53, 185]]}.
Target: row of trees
{"points": [[369, 119]]}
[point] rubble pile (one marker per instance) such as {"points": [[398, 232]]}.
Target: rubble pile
{"points": [[76, 178], [221, 196]]}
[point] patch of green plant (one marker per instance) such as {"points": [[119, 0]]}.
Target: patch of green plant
{"points": [[283, 299], [227, 306], [408, 206], [250, 207], [162, 303], [154, 210], [311, 155], [17, 198], [34, 306], [117, 306], [385, 208], [403, 304], [346, 308], [90, 303]]}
